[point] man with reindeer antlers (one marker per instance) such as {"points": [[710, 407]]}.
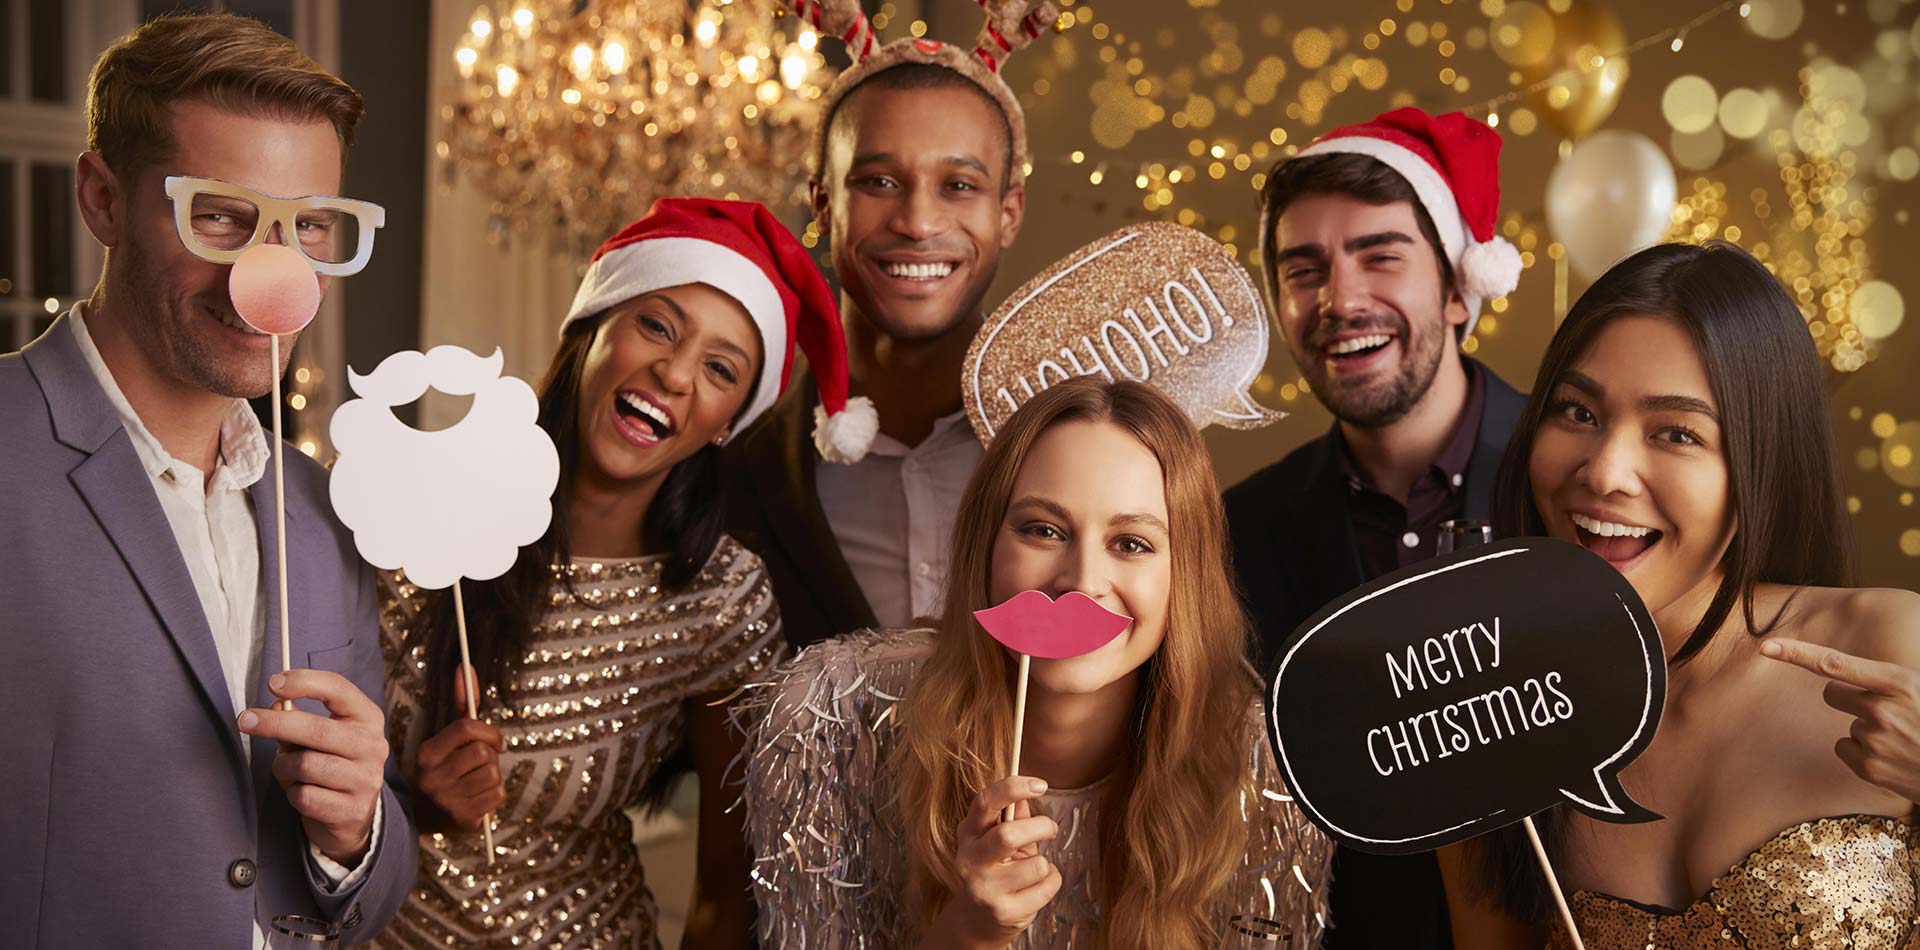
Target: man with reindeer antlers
{"points": [[917, 214]]}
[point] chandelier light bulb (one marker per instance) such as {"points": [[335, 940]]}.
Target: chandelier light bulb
{"points": [[707, 95]]}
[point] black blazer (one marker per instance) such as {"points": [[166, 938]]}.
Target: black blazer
{"points": [[773, 508], [1294, 551]]}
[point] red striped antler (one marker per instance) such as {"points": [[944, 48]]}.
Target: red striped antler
{"points": [[841, 18], [1011, 25]]}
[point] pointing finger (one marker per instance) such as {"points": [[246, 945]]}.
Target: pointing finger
{"points": [[1872, 675]]}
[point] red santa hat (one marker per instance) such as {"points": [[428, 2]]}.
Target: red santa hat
{"points": [[740, 249], [1453, 164]]}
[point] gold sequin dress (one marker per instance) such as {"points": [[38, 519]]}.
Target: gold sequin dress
{"points": [[829, 856], [597, 702], [1832, 883]]}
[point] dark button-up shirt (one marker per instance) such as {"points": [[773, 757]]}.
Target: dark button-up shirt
{"points": [[1391, 535]]}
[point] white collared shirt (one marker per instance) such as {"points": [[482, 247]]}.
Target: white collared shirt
{"points": [[213, 523], [892, 515]]}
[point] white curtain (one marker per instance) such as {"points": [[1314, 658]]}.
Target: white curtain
{"points": [[476, 292]]}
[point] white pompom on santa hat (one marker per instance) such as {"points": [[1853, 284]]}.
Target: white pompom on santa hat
{"points": [[740, 249], [1453, 163]]}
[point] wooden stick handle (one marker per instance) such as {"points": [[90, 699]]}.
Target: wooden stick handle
{"points": [[1019, 718], [280, 515], [1559, 897], [472, 687]]}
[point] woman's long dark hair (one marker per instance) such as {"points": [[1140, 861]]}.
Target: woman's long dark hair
{"points": [[1783, 483], [684, 522]]}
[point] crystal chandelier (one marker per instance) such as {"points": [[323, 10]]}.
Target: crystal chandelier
{"points": [[577, 114]]}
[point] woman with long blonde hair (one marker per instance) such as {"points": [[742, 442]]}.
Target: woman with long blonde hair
{"points": [[1147, 813]]}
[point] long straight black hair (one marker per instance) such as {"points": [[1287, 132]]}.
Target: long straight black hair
{"points": [[1783, 482], [684, 522]]}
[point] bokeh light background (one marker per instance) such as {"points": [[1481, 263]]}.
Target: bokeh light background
{"points": [[1793, 127]]}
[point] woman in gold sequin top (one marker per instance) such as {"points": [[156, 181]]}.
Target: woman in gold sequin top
{"points": [[601, 655], [1678, 428], [1148, 814]]}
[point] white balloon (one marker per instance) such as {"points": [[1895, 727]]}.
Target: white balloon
{"points": [[1611, 196]]}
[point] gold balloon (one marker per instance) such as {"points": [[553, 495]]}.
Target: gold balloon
{"points": [[1582, 66]]}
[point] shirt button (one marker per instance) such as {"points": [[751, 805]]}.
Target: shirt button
{"points": [[241, 873], [1410, 540], [923, 569], [1457, 479]]}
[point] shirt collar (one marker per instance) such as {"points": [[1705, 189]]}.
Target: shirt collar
{"points": [[946, 430], [1450, 467], [243, 444]]}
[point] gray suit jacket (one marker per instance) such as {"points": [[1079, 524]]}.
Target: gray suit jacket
{"points": [[128, 817]]}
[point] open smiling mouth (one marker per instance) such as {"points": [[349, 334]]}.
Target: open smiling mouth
{"points": [[642, 422], [1354, 350], [1621, 544], [917, 273], [231, 320]]}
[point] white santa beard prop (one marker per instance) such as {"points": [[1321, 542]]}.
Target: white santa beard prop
{"points": [[410, 497]]}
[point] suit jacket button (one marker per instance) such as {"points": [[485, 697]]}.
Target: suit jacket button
{"points": [[242, 872]]}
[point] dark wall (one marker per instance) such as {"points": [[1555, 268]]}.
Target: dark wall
{"points": [[381, 48]]}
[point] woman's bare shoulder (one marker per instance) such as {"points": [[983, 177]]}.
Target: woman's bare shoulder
{"points": [[1873, 623]]}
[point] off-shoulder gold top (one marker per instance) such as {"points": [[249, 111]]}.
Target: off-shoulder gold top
{"points": [[1846, 882]]}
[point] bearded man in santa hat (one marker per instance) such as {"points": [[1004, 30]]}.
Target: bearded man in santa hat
{"points": [[1378, 250]]}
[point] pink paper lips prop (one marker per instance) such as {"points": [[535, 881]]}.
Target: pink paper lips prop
{"points": [[274, 289], [1032, 623]]}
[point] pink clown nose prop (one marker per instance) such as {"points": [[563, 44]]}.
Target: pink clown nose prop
{"points": [[274, 289], [1032, 624]]}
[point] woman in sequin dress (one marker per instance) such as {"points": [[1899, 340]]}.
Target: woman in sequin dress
{"points": [[878, 763], [601, 654], [1678, 428]]}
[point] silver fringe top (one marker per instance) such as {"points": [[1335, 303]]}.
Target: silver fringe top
{"points": [[830, 866]]}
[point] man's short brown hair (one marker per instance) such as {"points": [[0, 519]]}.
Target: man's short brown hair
{"points": [[233, 62]]}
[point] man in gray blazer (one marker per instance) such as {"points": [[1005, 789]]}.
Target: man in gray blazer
{"points": [[152, 794]]}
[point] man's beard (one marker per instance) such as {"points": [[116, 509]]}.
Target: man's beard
{"points": [[1375, 405], [166, 329]]}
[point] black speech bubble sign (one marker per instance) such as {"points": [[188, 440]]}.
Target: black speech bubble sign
{"points": [[1464, 693]]}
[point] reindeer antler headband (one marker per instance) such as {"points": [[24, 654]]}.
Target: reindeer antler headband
{"points": [[1010, 25]]}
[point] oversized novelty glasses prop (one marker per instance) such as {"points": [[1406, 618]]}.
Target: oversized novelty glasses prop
{"points": [[1032, 624], [273, 287], [220, 221]]}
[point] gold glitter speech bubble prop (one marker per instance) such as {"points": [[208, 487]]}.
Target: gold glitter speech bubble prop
{"points": [[1156, 302]]}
